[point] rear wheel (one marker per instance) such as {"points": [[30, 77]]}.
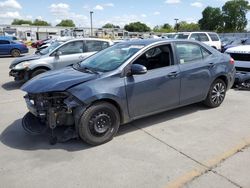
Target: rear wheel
{"points": [[37, 71], [216, 94], [15, 53], [99, 123]]}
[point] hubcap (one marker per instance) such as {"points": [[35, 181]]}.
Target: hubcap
{"points": [[100, 123], [218, 93]]}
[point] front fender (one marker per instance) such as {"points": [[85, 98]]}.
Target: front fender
{"points": [[35, 65]]}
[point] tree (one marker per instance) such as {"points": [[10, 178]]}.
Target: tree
{"points": [[234, 15], [184, 26], [109, 25], [38, 22], [211, 20], [20, 22], [165, 28], [66, 23], [137, 27]]}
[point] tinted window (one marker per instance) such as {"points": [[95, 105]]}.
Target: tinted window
{"points": [[203, 37], [92, 46], [195, 36], [213, 37], [4, 42], [181, 36], [189, 53], [72, 48], [156, 57]]}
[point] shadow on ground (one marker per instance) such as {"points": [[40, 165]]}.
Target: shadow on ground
{"points": [[15, 137], [12, 85]]}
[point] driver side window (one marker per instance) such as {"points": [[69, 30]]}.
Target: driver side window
{"points": [[157, 57], [72, 48]]}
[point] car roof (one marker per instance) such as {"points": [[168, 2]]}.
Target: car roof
{"points": [[146, 42], [96, 39]]}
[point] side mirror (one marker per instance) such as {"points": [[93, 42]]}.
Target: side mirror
{"points": [[58, 53], [138, 69]]}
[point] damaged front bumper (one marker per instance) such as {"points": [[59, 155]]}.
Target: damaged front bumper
{"points": [[242, 80], [19, 75], [50, 110]]}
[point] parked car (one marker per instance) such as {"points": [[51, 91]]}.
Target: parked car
{"points": [[13, 48], [210, 38], [241, 55], [56, 56], [127, 81]]}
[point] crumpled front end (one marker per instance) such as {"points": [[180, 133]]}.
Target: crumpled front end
{"points": [[50, 110]]}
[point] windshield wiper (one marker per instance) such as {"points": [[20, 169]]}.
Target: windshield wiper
{"points": [[90, 70]]}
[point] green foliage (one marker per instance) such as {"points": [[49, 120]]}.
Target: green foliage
{"points": [[234, 15], [20, 22], [66, 23], [137, 27], [212, 19], [184, 26], [166, 28], [109, 25], [38, 22]]}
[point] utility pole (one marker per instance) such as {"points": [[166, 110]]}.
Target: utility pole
{"points": [[176, 22], [91, 23]]}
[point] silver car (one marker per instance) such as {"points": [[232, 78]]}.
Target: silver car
{"points": [[56, 56]]}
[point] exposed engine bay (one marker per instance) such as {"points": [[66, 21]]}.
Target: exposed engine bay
{"points": [[51, 110]]}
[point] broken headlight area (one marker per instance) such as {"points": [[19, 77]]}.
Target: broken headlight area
{"points": [[51, 110]]}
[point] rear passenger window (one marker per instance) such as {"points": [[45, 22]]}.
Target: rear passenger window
{"points": [[4, 42], [92, 46], [213, 36], [203, 37], [189, 53]]}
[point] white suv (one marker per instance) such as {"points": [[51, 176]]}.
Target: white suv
{"points": [[210, 38]]}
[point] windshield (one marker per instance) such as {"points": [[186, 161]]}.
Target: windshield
{"points": [[181, 36], [110, 58], [50, 48]]}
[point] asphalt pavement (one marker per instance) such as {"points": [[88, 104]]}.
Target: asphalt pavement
{"points": [[192, 146]]}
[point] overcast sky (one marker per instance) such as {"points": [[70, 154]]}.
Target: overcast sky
{"points": [[119, 12]]}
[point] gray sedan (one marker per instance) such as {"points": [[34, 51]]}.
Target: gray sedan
{"points": [[56, 56], [124, 82]]}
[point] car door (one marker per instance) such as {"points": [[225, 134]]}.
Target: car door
{"points": [[5, 47], [70, 53], [159, 88], [195, 66]]}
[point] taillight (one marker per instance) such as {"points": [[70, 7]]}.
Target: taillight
{"points": [[231, 61], [24, 45]]}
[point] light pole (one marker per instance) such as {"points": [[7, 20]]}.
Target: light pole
{"points": [[176, 21], [91, 23]]}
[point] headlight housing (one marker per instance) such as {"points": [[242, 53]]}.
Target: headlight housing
{"points": [[22, 65]]}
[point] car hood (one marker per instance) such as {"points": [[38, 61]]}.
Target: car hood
{"points": [[59, 80], [24, 58]]}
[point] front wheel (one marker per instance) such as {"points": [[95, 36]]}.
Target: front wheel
{"points": [[99, 123], [216, 94]]}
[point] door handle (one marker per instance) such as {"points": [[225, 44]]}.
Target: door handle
{"points": [[173, 74]]}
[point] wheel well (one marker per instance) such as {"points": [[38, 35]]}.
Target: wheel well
{"points": [[224, 78], [115, 104], [214, 47], [43, 67], [15, 49]]}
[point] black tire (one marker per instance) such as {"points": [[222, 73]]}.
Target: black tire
{"points": [[99, 123], [37, 71], [15, 53], [216, 94]]}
